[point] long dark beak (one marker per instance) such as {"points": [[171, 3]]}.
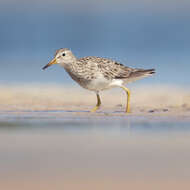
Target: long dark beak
{"points": [[50, 63]]}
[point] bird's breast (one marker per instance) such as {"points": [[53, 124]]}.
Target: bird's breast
{"points": [[96, 83]]}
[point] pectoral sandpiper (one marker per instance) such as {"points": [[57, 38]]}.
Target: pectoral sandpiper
{"points": [[97, 74]]}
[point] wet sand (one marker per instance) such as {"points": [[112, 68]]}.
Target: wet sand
{"points": [[94, 154]]}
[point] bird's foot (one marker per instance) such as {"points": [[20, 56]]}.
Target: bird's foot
{"points": [[94, 109]]}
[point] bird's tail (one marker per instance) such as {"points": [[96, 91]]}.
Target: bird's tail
{"points": [[138, 74], [142, 73]]}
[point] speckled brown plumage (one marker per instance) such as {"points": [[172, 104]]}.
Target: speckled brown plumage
{"points": [[88, 67], [97, 74]]}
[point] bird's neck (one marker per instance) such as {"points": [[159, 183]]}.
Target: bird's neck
{"points": [[71, 66], [73, 70]]}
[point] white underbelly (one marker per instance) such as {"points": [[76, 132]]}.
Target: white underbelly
{"points": [[103, 84], [98, 84]]}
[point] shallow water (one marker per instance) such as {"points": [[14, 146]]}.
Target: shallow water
{"points": [[94, 152]]}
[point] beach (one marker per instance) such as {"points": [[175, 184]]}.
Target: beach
{"points": [[50, 140], [165, 100]]}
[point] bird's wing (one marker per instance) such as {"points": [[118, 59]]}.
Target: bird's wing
{"points": [[109, 68], [112, 69]]}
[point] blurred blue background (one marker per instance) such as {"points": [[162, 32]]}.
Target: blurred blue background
{"points": [[135, 33]]}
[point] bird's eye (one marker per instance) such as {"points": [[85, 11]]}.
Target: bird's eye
{"points": [[63, 54]]}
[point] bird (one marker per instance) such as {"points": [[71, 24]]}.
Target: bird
{"points": [[97, 74]]}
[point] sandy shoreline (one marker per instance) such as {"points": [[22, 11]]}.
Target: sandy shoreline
{"points": [[49, 139], [71, 101]]}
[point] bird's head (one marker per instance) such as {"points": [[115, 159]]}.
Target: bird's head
{"points": [[62, 57]]}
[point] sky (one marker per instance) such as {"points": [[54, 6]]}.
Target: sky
{"points": [[143, 34]]}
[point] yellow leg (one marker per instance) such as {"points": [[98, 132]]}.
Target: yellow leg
{"points": [[128, 98], [98, 104]]}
